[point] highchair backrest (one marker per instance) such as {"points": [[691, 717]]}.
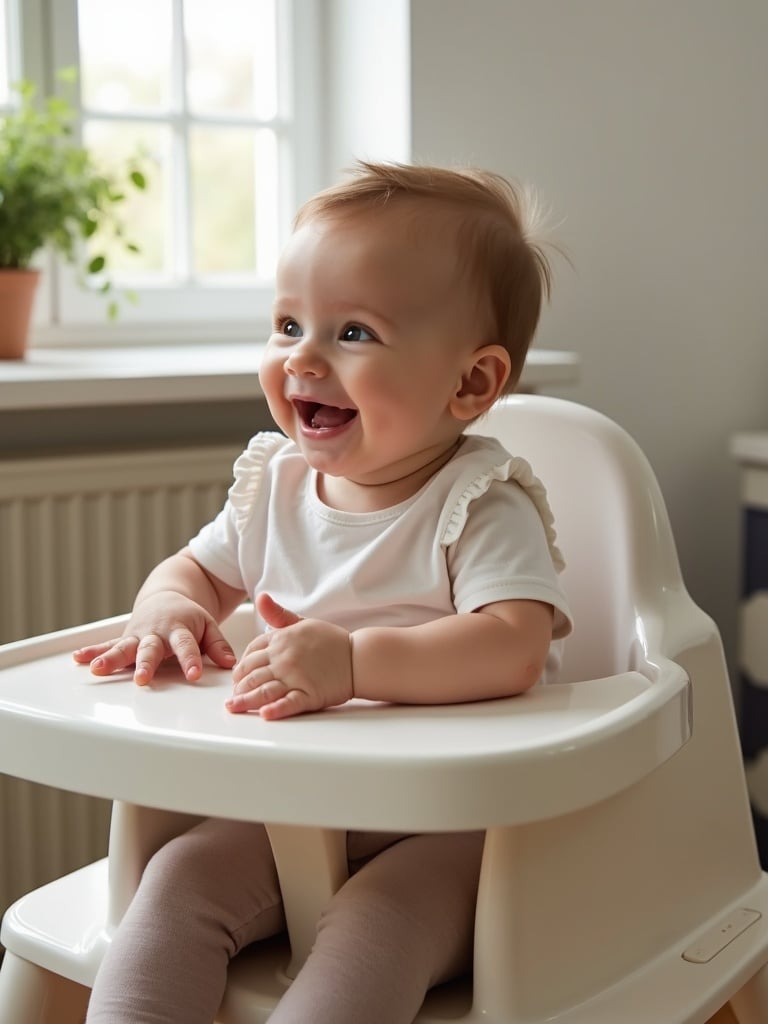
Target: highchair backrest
{"points": [[611, 522]]}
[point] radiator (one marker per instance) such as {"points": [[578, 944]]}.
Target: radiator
{"points": [[78, 534]]}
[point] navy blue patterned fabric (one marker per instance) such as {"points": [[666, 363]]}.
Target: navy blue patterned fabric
{"points": [[755, 574], [753, 721]]}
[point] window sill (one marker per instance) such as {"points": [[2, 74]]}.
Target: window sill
{"points": [[140, 375]]}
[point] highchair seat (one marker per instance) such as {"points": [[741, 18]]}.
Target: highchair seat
{"points": [[620, 879]]}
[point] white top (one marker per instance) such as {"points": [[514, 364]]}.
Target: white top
{"points": [[479, 531]]}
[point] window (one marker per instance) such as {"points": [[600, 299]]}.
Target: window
{"points": [[4, 53], [224, 100], [10, 50]]}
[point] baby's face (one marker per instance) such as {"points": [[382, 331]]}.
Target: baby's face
{"points": [[373, 324]]}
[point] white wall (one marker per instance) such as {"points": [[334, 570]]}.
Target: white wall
{"points": [[645, 124], [367, 82]]}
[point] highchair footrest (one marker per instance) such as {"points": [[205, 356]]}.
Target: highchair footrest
{"points": [[62, 925]]}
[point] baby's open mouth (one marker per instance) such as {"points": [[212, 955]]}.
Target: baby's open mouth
{"points": [[318, 416]]}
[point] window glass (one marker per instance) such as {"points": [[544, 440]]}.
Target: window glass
{"points": [[222, 164], [147, 213], [217, 97], [125, 52], [231, 220], [208, 78], [230, 58]]}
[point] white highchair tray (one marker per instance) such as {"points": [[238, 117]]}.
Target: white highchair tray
{"points": [[174, 745]]}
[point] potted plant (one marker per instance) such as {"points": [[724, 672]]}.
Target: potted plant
{"points": [[53, 195]]}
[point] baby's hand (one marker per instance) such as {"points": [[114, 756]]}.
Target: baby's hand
{"points": [[163, 625], [301, 665]]}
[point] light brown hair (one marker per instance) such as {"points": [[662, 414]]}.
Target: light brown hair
{"points": [[497, 221]]}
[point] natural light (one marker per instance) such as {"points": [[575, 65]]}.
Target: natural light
{"points": [[209, 109]]}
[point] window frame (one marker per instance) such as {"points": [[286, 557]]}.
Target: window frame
{"points": [[65, 313]]}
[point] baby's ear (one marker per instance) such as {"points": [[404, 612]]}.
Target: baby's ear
{"points": [[485, 374]]}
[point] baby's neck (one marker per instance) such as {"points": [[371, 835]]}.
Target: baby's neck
{"points": [[347, 495]]}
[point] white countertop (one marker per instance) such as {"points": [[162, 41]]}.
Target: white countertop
{"points": [[78, 377]]}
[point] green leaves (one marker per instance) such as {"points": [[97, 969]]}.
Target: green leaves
{"points": [[51, 191]]}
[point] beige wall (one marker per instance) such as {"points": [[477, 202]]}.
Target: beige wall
{"points": [[645, 124]]}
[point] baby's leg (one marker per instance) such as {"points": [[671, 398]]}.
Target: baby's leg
{"points": [[203, 896], [400, 925]]}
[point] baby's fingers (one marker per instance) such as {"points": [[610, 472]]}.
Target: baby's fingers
{"points": [[271, 700], [114, 656], [295, 702], [150, 654], [251, 667], [258, 644], [85, 655], [217, 647], [185, 647]]}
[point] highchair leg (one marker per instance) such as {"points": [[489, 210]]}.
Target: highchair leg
{"points": [[30, 994], [750, 1004]]}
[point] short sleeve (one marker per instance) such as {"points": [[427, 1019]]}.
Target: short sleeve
{"points": [[470, 489], [248, 474], [504, 551], [217, 545]]}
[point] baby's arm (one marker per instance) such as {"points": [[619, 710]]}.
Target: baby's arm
{"points": [[176, 612], [497, 651], [306, 664]]}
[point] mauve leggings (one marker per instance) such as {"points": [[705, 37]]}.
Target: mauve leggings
{"points": [[401, 923]]}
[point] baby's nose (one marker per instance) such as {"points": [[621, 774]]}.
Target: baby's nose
{"points": [[306, 358]]}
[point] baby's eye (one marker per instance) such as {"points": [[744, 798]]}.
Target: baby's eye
{"points": [[290, 328], [355, 332]]}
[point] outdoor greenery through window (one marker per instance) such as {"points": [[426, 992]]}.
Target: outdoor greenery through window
{"points": [[215, 96]]}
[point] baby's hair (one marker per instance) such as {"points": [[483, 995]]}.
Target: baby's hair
{"points": [[497, 226]]}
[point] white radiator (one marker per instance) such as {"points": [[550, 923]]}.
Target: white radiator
{"points": [[78, 534]]}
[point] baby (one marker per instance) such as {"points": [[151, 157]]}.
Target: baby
{"points": [[389, 556]]}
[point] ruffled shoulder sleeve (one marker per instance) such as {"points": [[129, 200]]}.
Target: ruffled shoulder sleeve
{"points": [[249, 473], [470, 487]]}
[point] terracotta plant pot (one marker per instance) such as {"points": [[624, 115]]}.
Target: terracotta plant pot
{"points": [[17, 293]]}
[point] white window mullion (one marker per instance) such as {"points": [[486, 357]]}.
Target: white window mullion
{"points": [[30, 21], [180, 208], [60, 29], [301, 90], [31, 56], [11, 43], [60, 21]]}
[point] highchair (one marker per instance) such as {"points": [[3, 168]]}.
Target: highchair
{"points": [[620, 881]]}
